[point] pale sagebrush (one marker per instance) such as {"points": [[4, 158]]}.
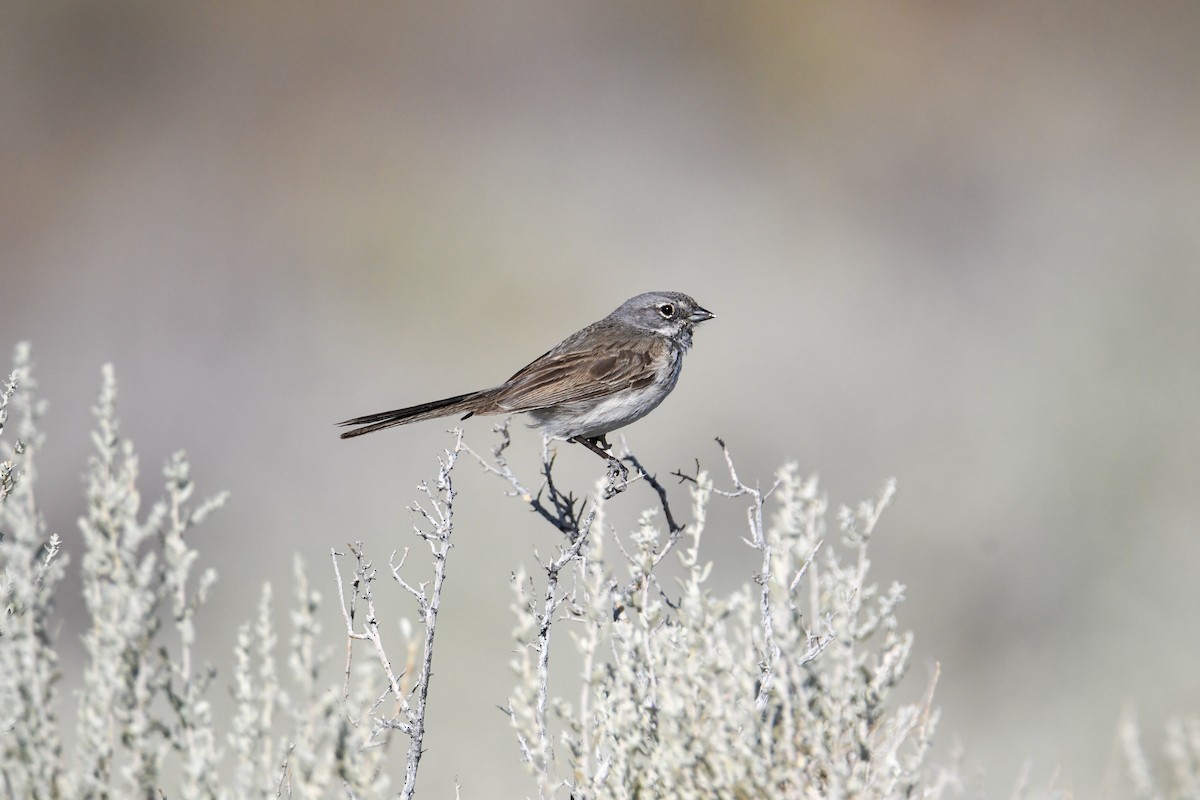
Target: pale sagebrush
{"points": [[780, 689], [31, 750], [323, 751], [1175, 775], [404, 702], [135, 571], [143, 718]]}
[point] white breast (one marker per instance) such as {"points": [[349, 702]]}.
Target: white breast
{"points": [[592, 418]]}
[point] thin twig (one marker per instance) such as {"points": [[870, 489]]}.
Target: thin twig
{"points": [[674, 527], [757, 540], [439, 539], [411, 704]]}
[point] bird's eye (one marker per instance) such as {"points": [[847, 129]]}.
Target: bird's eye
{"points": [[667, 310]]}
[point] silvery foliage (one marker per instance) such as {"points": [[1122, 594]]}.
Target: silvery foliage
{"points": [[1177, 776], [783, 687], [143, 715], [778, 689]]}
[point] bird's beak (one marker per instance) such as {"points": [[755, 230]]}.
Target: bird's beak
{"points": [[700, 314]]}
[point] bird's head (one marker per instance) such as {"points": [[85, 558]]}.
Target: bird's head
{"points": [[670, 314]]}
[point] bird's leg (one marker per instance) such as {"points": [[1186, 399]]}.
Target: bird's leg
{"points": [[597, 444]]}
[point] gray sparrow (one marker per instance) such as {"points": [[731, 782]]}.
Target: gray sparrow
{"points": [[599, 379]]}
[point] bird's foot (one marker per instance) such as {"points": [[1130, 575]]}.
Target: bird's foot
{"points": [[618, 473], [618, 478]]}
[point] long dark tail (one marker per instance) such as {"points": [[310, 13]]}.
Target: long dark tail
{"points": [[468, 403]]}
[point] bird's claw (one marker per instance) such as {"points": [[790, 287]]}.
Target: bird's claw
{"points": [[618, 478]]}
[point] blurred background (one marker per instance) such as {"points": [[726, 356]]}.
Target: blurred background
{"points": [[957, 244]]}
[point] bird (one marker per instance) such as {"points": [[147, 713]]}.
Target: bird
{"points": [[600, 378]]}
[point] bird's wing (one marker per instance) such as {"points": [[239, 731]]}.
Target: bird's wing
{"points": [[570, 374]]}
